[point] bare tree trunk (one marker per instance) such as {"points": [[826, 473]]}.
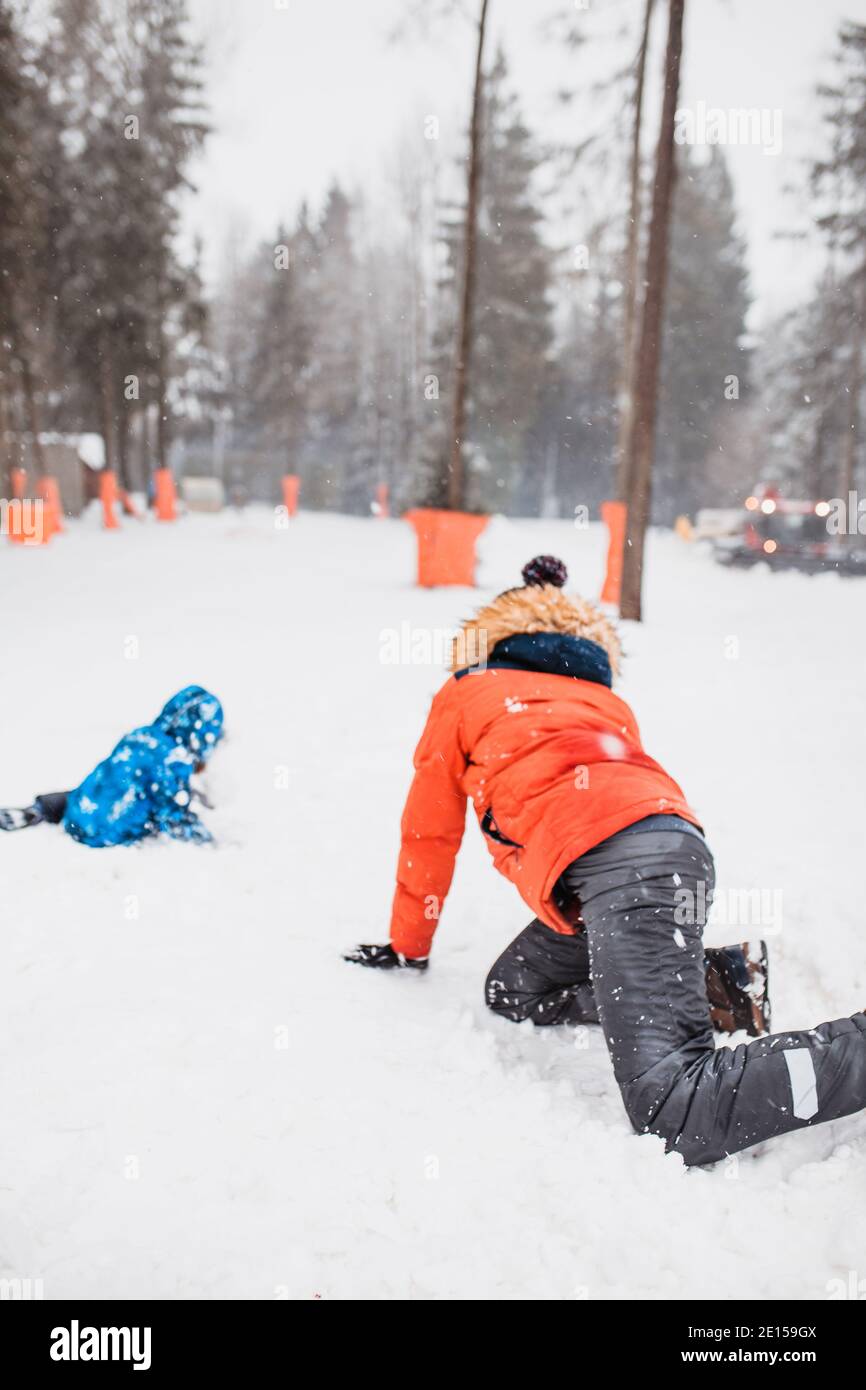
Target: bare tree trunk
{"points": [[6, 453], [123, 472], [106, 404], [32, 409], [416, 336], [642, 431], [549, 507], [162, 424], [855, 388], [144, 451], [456, 486], [815, 467], [627, 369]]}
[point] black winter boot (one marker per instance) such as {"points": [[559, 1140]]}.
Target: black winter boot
{"points": [[737, 987]]}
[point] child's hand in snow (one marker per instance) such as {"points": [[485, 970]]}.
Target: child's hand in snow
{"points": [[385, 958]]}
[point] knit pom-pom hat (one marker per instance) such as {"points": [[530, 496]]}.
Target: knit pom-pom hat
{"points": [[538, 606]]}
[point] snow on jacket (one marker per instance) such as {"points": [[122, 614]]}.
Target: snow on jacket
{"points": [[143, 787], [534, 737]]}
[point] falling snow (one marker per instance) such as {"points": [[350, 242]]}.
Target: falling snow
{"points": [[302, 1125]]}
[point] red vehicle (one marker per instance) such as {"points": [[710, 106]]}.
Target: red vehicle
{"points": [[789, 534]]}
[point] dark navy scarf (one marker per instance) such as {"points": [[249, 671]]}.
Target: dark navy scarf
{"points": [[554, 653]]}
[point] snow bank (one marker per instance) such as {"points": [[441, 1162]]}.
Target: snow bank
{"points": [[202, 1100]]}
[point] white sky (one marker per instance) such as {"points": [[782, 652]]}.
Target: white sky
{"points": [[302, 90]]}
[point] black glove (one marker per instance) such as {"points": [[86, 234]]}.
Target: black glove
{"points": [[385, 958]]}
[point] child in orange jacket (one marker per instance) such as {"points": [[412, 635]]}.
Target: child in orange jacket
{"points": [[602, 845]]}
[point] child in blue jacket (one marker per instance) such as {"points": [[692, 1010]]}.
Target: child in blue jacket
{"points": [[143, 787]]}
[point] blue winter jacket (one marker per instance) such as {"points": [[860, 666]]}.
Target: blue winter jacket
{"points": [[143, 788]]}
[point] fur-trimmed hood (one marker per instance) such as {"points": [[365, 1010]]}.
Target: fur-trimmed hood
{"points": [[533, 608]]}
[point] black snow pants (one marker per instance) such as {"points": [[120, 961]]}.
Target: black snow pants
{"points": [[638, 968]]}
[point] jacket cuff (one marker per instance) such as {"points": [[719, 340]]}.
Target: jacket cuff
{"points": [[52, 806]]}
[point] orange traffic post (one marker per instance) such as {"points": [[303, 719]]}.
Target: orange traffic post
{"points": [[291, 489], [381, 506], [165, 495], [614, 515], [48, 492], [108, 498], [446, 545], [18, 479]]}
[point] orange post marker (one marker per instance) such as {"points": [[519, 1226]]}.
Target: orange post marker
{"points": [[165, 495], [48, 491], [615, 515], [18, 479], [108, 498], [446, 545], [291, 489], [382, 506]]}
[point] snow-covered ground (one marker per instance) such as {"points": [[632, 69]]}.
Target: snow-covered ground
{"points": [[199, 1098]]}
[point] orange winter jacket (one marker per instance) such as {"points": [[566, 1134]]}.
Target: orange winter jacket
{"points": [[550, 758]]}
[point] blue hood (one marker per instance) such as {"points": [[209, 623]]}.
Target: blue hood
{"points": [[194, 718]]}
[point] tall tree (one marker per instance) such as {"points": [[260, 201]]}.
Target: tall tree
{"points": [[335, 380], [29, 152], [13, 181], [811, 363], [512, 333], [642, 431], [838, 184], [456, 490], [803, 396], [704, 370], [166, 64], [283, 335], [632, 253], [132, 104]]}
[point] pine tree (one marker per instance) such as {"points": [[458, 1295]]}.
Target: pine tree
{"points": [[335, 383], [839, 192], [283, 337], [168, 68], [512, 332], [705, 313], [580, 411], [802, 397], [29, 152], [812, 361], [132, 109], [12, 184]]}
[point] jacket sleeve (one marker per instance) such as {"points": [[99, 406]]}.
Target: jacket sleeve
{"points": [[431, 829]]}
